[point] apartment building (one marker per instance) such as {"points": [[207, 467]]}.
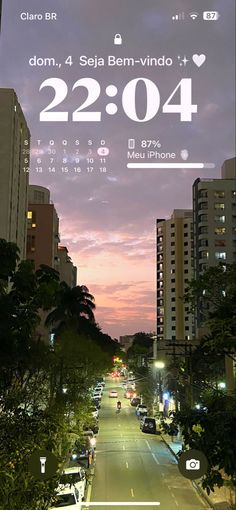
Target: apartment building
{"points": [[43, 228], [214, 219], [14, 163], [174, 270]]}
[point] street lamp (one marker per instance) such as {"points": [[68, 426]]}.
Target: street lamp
{"points": [[222, 385], [160, 365]]}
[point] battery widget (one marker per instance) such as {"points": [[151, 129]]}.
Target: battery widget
{"points": [[131, 143], [211, 15]]}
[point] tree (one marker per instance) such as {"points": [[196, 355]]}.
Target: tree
{"points": [[71, 305]]}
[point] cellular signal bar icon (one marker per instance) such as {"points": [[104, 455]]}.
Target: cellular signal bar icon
{"points": [[178, 17]]}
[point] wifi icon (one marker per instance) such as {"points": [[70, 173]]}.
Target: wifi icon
{"points": [[193, 15]]}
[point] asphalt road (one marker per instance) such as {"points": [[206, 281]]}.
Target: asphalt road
{"points": [[135, 467]]}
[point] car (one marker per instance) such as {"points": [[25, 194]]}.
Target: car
{"points": [[96, 402], [68, 496], [113, 394], [141, 410], [100, 386], [94, 412], [97, 395], [129, 393], [148, 424], [89, 434], [74, 476], [135, 401], [82, 452]]}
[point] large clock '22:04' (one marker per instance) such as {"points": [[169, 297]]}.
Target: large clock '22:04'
{"points": [[184, 108]]}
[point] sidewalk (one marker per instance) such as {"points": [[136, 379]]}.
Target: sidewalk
{"points": [[218, 500]]}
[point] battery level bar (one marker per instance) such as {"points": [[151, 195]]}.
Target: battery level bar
{"points": [[211, 15], [170, 165], [131, 143]]}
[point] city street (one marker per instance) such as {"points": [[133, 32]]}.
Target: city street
{"points": [[135, 467]]}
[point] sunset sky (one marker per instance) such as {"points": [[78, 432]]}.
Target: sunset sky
{"points": [[107, 221]]}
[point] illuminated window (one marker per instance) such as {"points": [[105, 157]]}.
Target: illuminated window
{"points": [[219, 218], [220, 231], [30, 215], [33, 225], [220, 255], [219, 206], [219, 194]]}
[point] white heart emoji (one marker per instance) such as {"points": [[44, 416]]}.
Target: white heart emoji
{"points": [[199, 59]]}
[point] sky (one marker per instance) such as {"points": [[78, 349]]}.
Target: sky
{"points": [[107, 220]]}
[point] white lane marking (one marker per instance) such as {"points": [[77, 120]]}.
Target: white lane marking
{"points": [[148, 445], [132, 492], [156, 460], [127, 465]]}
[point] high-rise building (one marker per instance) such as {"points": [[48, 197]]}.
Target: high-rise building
{"points": [[14, 163], [68, 272], [43, 228], [174, 270], [214, 216]]}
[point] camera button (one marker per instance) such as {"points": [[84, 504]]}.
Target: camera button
{"points": [[192, 464]]}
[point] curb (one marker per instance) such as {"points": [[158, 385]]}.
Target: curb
{"points": [[197, 487]]}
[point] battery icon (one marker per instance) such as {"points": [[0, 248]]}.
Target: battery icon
{"points": [[131, 143], [211, 15]]}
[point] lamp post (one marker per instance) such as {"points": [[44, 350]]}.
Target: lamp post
{"points": [[159, 365]]}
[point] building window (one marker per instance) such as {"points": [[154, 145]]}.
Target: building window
{"points": [[185, 243], [220, 242], [172, 261], [220, 255], [172, 234], [220, 231], [204, 254], [220, 218], [173, 328], [185, 271], [173, 299], [203, 205], [172, 271], [234, 230], [185, 280], [172, 225], [186, 262], [185, 234], [202, 193], [172, 289], [187, 328], [172, 252], [173, 308], [185, 252], [219, 206], [172, 243], [173, 318], [203, 230], [203, 217], [233, 193], [219, 194], [172, 280], [29, 215]]}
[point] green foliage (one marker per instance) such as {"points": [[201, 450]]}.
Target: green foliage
{"points": [[35, 411]]}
